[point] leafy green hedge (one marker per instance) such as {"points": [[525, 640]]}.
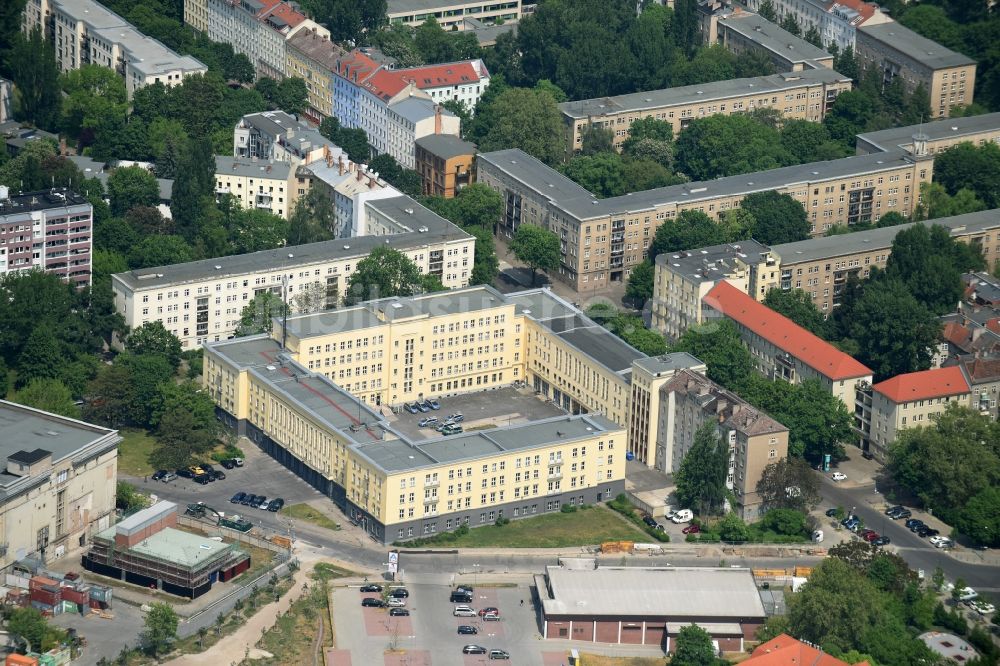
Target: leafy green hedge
{"points": [[624, 507]]}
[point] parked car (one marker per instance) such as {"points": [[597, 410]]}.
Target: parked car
{"points": [[398, 612], [399, 592], [870, 536], [966, 593], [467, 629], [396, 602], [168, 477], [942, 542], [926, 532], [261, 502], [451, 430], [423, 406], [227, 463], [489, 610], [917, 527], [868, 455], [683, 516], [435, 405], [159, 474], [894, 509], [411, 408], [373, 602], [913, 522], [474, 649], [830, 513], [899, 515], [464, 611], [250, 500], [430, 420], [499, 654], [218, 474], [203, 479], [195, 470], [882, 541], [238, 497], [371, 587], [982, 607], [838, 476], [237, 461], [185, 473], [460, 597], [275, 505], [649, 520], [456, 417], [464, 588], [491, 617], [691, 529]]}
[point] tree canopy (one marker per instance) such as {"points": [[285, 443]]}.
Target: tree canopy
{"points": [[779, 218], [522, 118], [537, 247], [384, 272], [701, 479]]}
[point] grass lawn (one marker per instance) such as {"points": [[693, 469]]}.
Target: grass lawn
{"points": [[601, 660], [305, 512], [301, 632], [553, 530], [133, 452]]}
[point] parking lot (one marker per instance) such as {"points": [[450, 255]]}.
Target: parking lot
{"points": [[430, 634], [481, 410]]}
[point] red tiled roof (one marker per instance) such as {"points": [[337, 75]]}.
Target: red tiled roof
{"points": [[356, 66], [784, 650], [436, 76], [923, 385], [865, 9], [957, 334], [993, 325], [983, 368], [385, 84], [287, 14], [783, 333]]}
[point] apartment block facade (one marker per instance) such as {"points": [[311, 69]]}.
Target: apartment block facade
{"points": [[310, 406], [783, 350], [348, 185], [884, 410], [276, 135], [58, 486], [894, 51], [682, 279], [602, 240], [84, 32], [201, 301], [313, 58], [257, 185], [446, 164], [804, 95], [51, 231], [451, 14], [688, 401], [837, 21]]}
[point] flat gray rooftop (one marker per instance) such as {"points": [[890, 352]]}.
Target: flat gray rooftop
{"points": [[897, 137], [829, 247], [188, 550], [446, 146], [711, 263], [668, 362], [581, 205], [251, 168], [702, 92], [26, 429], [436, 230], [773, 38], [675, 592], [914, 45], [399, 455]]}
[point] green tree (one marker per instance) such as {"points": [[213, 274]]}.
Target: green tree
{"points": [[485, 266], [930, 263], [639, 288], [807, 141], [536, 247], [33, 68], [732, 528], [632, 330], [292, 95], [935, 202], [818, 423], [979, 518], [694, 648], [778, 478], [30, 626], [649, 128], [189, 397], [967, 166], [722, 145], [779, 217], [384, 272], [785, 521], [701, 478], [113, 398], [133, 186], [312, 219], [790, 24], [153, 338], [92, 93], [159, 251], [596, 140], [798, 306], [767, 11], [49, 395], [41, 357], [477, 205], [258, 315], [850, 114], [182, 439], [601, 174], [4, 378], [170, 157], [160, 628], [194, 184], [521, 118], [129, 499], [690, 230], [891, 219], [813, 37], [718, 345], [147, 372]]}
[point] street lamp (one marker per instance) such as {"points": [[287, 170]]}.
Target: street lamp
{"points": [[475, 575]]}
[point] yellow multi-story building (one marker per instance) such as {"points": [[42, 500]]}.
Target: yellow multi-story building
{"points": [[313, 58], [934, 136], [805, 95], [257, 184], [317, 406]]}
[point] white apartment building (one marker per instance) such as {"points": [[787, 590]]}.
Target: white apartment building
{"points": [[836, 20], [464, 81], [349, 185], [276, 135], [261, 184], [201, 301], [85, 32]]}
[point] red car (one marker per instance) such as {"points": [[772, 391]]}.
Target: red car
{"points": [[489, 610], [691, 529], [869, 535]]}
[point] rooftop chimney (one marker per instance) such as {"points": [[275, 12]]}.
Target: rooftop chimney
{"points": [[437, 118]]}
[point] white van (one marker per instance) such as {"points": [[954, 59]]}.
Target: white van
{"points": [[464, 611], [682, 516], [817, 536]]}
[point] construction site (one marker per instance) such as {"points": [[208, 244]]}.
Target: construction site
{"points": [[147, 549]]}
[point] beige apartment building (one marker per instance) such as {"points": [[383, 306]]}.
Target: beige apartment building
{"points": [[822, 266], [805, 95], [781, 349], [201, 301], [648, 377], [313, 58], [682, 279], [906, 401], [688, 401], [603, 239], [259, 185], [316, 405], [744, 32], [896, 51], [58, 489], [934, 136], [451, 14]]}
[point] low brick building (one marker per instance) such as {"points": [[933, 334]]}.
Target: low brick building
{"points": [[649, 605]]}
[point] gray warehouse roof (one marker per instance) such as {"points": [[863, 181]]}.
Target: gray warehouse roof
{"points": [[702, 92], [675, 592], [914, 45], [773, 38], [828, 247]]}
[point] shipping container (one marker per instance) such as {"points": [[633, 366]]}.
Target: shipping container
{"points": [[37, 582], [20, 660]]}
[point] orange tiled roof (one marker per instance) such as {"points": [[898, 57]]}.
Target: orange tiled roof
{"points": [[385, 84], [784, 650], [957, 334], [993, 325], [436, 76], [784, 334], [287, 14], [356, 66], [923, 385], [865, 9]]}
